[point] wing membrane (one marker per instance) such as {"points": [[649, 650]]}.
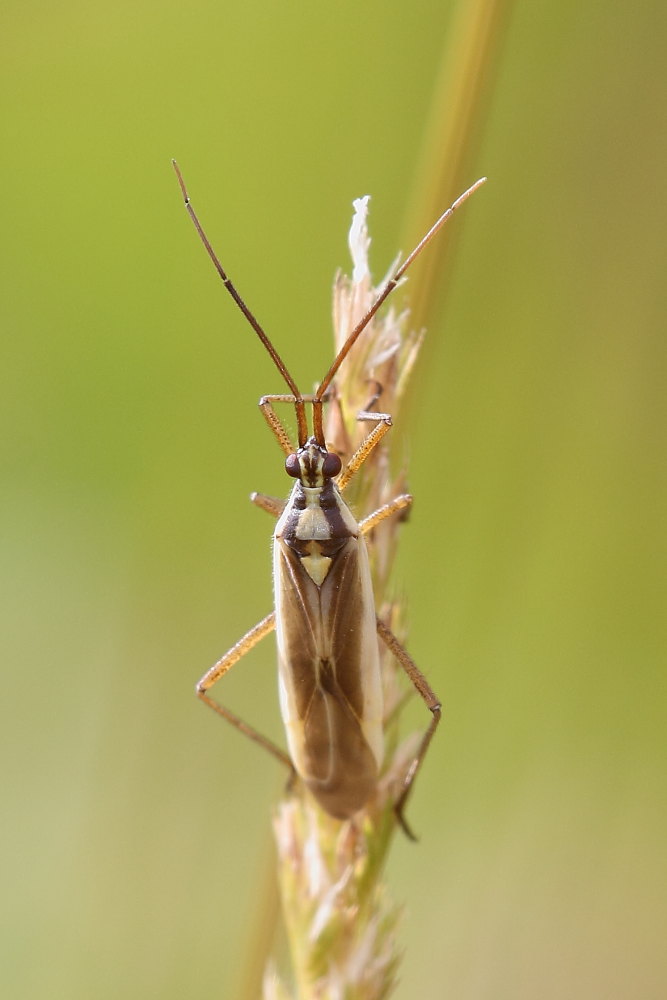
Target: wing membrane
{"points": [[329, 675]]}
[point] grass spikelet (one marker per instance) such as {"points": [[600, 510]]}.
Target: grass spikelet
{"points": [[339, 918]]}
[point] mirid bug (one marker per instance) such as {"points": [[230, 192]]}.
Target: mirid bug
{"points": [[324, 617]]}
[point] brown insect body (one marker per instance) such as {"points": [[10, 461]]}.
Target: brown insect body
{"points": [[327, 631], [328, 657]]}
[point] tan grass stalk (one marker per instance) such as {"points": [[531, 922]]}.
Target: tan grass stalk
{"points": [[340, 921]]}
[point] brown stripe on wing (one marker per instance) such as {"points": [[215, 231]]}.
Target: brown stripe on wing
{"points": [[300, 628], [340, 768], [343, 620]]}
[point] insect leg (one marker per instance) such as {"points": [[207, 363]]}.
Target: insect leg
{"points": [[401, 502], [372, 439], [272, 505], [432, 703], [274, 422], [219, 669]]}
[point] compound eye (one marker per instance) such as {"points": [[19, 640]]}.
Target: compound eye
{"points": [[292, 467], [331, 465]]}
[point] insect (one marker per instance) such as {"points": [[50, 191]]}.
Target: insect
{"points": [[326, 626]]}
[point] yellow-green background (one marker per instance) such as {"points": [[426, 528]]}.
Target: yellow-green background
{"points": [[134, 838]]}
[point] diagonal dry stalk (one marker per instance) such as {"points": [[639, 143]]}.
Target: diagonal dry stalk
{"points": [[460, 100], [340, 922]]}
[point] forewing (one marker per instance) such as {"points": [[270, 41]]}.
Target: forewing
{"points": [[329, 675]]}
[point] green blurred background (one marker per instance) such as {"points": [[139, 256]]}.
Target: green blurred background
{"points": [[135, 838]]}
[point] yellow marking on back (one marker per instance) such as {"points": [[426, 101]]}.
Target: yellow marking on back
{"points": [[316, 566]]}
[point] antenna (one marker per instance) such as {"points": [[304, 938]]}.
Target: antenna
{"points": [[277, 360], [318, 398]]}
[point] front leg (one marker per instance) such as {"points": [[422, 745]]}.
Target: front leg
{"points": [[372, 439], [272, 505]]}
